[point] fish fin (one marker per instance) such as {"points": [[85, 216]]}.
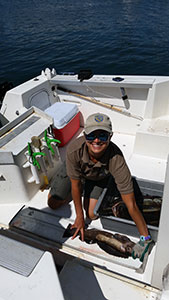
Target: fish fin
{"points": [[69, 231]]}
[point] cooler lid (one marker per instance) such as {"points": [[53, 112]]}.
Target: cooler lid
{"points": [[62, 113]]}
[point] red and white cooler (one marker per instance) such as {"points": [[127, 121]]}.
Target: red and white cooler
{"points": [[66, 120]]}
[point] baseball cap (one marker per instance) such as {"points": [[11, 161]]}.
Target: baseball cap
{"points": [[98, 121]]}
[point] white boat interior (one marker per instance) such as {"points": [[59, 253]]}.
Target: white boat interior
{"points": [[139, 109]]}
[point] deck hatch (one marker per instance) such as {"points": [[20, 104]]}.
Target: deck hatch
{"points": [[19, 129], [39, 223], [18, 257]]}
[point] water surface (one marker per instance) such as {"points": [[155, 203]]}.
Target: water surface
{"points": [[109, 37]]}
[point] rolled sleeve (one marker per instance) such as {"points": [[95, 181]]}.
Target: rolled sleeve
{"points": [[122, 175], [72, 166]]}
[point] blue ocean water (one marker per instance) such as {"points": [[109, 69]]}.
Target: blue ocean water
{"points": [[109, 37]]}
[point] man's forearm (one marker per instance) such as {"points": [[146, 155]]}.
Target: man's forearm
{"points": [[79, 222], [140, 222], [135, 213], [76, 195]]}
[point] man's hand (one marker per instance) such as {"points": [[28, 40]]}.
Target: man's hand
{"points": [[79, 225], [140, 249]]}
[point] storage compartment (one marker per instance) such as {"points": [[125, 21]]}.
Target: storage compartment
{"points": [[66, 120], [23, 168], [152, 193]]}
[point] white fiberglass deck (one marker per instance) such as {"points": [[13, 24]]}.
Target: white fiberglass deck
{"points": [[66, 215], [77, 248], [42, 284], [142, 133]]}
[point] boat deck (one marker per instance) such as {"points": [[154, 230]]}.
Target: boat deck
{"points": [[66, 215], [53, 226], [137, 132]]}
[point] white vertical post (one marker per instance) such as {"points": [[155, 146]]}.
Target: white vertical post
{"points": [[161, 258]]}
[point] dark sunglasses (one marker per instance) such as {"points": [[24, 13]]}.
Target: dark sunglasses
{"points": [[102, 136]]}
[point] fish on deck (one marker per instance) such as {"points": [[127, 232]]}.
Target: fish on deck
{"points": [[114, 244]]}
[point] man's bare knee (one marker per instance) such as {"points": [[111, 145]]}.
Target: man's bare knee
{"points": [[89, 208], [91, 215], [55, 202]]}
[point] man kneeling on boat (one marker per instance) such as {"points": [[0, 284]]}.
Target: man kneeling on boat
{"points": [[92, 162]]}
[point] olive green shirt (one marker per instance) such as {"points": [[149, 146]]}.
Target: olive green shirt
{"points": [[79, 165]]}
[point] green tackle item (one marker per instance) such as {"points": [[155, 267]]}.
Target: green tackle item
{"points": [[141, 248], [49, 141], [33, 156]]}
